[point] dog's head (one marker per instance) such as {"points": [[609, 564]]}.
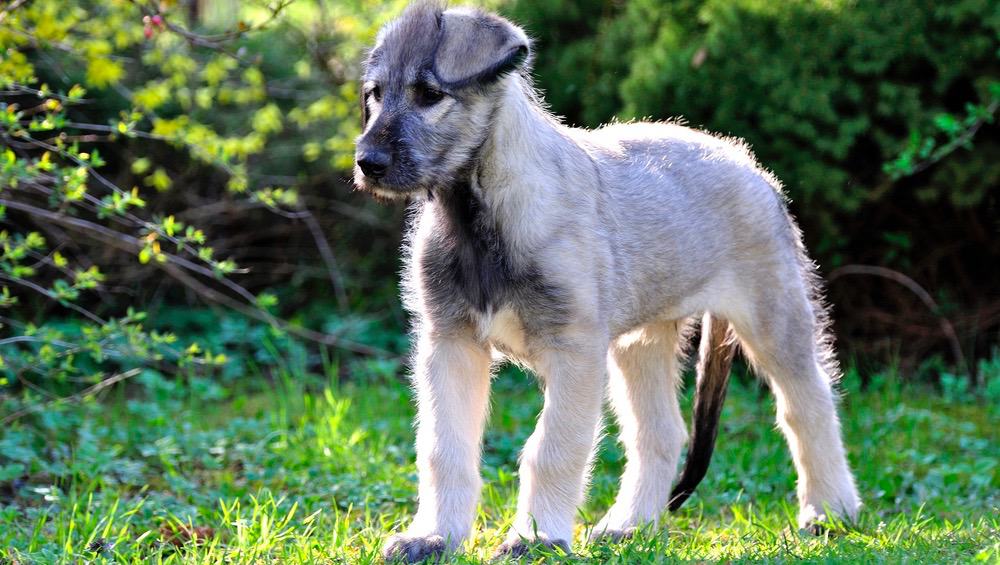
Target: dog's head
{"points": [[429, 91]]}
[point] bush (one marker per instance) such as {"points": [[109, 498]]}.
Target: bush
{"points": [[157, 159], [140, 142], [866, 110]]}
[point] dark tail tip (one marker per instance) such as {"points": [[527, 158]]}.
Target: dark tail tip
{"points": [[714, 364]]}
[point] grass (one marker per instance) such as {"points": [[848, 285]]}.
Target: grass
{"points": [[315, 471]]}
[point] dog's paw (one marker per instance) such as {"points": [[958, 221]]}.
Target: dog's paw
{"points": [[517, 548], [402, 548], [611, 535], [820, 522], [822, 526], [816, 528], [813, 522]]}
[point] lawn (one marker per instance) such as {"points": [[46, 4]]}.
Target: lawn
{"points": [[315, 470]]}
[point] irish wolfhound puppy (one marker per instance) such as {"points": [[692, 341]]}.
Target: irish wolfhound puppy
{"points": [[580, 254]]}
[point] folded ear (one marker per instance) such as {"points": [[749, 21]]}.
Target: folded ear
{"points": [[477, 48]]}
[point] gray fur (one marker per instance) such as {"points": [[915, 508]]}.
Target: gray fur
{"points": [[468, 269], [566, 250], [519, 548], [414, 550]]}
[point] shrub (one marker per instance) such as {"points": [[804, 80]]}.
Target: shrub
{"points": [[877, 116], [135, 137]]}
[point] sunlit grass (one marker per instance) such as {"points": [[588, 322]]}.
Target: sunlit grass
{"points": [[300, 477]]}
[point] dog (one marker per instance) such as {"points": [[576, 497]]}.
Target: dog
{"points": [[582, 255]]}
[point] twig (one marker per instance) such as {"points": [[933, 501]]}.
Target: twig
{"points": [[959, 141], [212, 295], [946, 327], [109, 129], [112, 186], [13, 6], [33, 339], [939, 154], [19, 89], [45, 292], [119, 240], [328, 258], [74, 397], [214, 42], [172, 267]]}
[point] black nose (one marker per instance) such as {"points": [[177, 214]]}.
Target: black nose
{"points": [[374, 163]]}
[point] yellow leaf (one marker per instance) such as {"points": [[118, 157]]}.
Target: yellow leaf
{"points": [[153, 95], [140, 166], [102, 72], [311, 151], [203, 98], [45, 163], [76, 91], [158, 180]]}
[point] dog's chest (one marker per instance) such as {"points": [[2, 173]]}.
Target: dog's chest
{"points": [[464, 261], [469, 277]]}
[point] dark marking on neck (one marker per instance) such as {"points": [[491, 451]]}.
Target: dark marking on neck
{"points": [[478, 263], [466, 267]]}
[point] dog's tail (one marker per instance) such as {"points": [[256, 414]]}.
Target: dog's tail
{"points": [[715, 359]]}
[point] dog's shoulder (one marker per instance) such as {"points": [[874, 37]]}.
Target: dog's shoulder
{"points": [[463, 268]]}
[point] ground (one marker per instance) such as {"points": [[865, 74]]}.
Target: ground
{"points": [[313, 470]]}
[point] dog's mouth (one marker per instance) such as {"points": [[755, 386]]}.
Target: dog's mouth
{"points": [[383, 190]]}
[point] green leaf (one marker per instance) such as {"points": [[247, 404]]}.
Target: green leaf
{"points": [[267, 300]]}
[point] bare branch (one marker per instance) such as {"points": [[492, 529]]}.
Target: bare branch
{"points": [[946, 326], [173, 267], [328, 258], [74, 397]]}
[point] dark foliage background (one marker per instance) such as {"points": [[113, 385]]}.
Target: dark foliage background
{"points": [[830, 95], [202, 347], [878, 116]]}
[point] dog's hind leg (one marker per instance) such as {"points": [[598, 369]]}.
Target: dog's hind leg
{"points": [[779, 335], [643, 367]]}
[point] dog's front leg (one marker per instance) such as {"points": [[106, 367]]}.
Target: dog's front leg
{"points": [[451, 377], [554, 463]]}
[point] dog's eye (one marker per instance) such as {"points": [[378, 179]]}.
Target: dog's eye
{"points": [[428, 95], [376, 93]]}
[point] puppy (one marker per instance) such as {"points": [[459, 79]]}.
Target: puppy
{"points": [[582, 255]]}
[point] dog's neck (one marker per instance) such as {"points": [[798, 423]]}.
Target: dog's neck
{"points": [[483, 230], [518, 163], [523, 136]]}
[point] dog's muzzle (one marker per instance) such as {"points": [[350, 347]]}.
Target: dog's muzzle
{"points": [[374, 163]]}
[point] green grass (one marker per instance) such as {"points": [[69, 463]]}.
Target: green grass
{"points": [[283, 475]]}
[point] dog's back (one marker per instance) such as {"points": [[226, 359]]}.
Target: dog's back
{"points": [[686, 214]]}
